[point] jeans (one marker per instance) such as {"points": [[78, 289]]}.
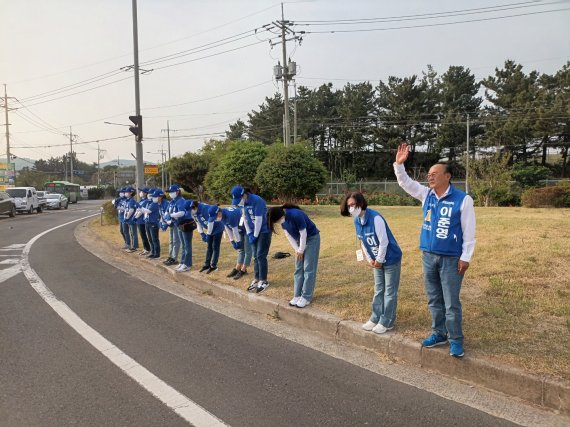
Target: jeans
{"points": [[122, 230], [260, 250], [152, 231], [213, 250], [174, 244], [442, 283], [145, 241], [385, 299], [186, 238], [244, 251], [134, 236], [306, 269]]}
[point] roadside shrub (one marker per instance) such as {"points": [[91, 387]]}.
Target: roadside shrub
{"points": [[110, 213], [554, 197], [95, 193], [380, 199]]}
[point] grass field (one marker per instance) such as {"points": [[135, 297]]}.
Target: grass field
{"points": [[515, 295]]}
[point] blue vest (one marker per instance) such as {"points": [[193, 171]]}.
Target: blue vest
{"points": [[131, 203], [119, 204], [441, 230], [177, 205], [231, 216], [143, 204], [367, 235], [296, 220]]}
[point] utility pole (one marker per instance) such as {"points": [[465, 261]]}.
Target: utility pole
{"points": [[8, 155], [168, 135], [285, 79], [467, 161], [295, 114], [138, 139], [287, 71], [70, 155], [99, 157]]}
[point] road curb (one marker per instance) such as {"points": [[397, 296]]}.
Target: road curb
{"points": [[542, 391]]}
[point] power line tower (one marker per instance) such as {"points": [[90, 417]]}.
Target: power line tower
{"points": [[288, 70]]}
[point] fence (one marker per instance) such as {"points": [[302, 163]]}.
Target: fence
{"points": [[392, 187]]}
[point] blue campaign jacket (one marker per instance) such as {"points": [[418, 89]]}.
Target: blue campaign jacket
{"points": [[256, 206], [119, 204], [367, 235], [296, 220], [144, 203], [441, 230]]}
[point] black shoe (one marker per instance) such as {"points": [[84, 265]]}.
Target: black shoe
{"points": [[204, 268], [170, 261], [211, 270], [261, 286], [233, 272], [166, 261], [239, 274]]}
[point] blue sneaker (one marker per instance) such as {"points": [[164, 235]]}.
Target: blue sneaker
{"points": [[456, 350], [434, 340]]}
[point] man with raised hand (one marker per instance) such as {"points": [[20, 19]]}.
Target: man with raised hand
{"points": [[447, 241]]}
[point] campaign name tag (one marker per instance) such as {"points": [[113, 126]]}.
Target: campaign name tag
{"points": [[359, 255]]}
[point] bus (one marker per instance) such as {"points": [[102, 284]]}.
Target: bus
{"points": [[70, 190]]}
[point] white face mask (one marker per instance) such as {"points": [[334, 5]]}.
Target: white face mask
{"points": [[149, 197], [241, 202], [155, 199], [121, 194], [354, 211], [141, 195], [128, 195], [218, 219], [172, 195]]}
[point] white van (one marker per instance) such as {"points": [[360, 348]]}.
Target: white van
{"points": [[26, 199]]}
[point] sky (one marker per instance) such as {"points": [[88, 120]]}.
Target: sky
{"points": [[61, 60]]}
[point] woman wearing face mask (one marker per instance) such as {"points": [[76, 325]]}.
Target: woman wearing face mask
{"points": [[233, 220], [383, 255], [178, 216], [258, 234], [141, 223], [151, 212], [305, 239], [174, 244], [214, 231]]}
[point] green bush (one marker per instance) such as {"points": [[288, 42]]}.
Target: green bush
{"points": [[391, 199], [237, 166], [95, 193], [555, 197], [290, 173]]}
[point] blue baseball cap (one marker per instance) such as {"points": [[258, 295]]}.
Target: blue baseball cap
{"points": [[158, 193], [129, 190], [213, 212], [173, 188], [237, 193], [144, 190]]}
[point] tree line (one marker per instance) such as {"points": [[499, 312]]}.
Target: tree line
{"points": [[355, 130]]}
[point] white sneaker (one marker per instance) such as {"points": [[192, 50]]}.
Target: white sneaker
{"points": [[183, 269], [302, 302], [368, 326], [180, 267], [252, 286], [294, 301], [380, 329]]}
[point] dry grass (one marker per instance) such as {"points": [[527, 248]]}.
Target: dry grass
{"points": [[516, 295]]}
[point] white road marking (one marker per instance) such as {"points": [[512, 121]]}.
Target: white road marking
{"points": [[9, 272], [15, 246], [10, 261], [180, 404]]}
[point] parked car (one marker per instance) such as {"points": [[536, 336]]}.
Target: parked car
{"points": [[56, 201], [26, 199], [7, 204], [42, 198]]}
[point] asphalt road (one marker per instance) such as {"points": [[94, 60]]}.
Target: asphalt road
{"points": [[50, 375]]}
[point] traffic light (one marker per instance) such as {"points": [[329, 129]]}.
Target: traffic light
{"points": [[137, 128]]}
